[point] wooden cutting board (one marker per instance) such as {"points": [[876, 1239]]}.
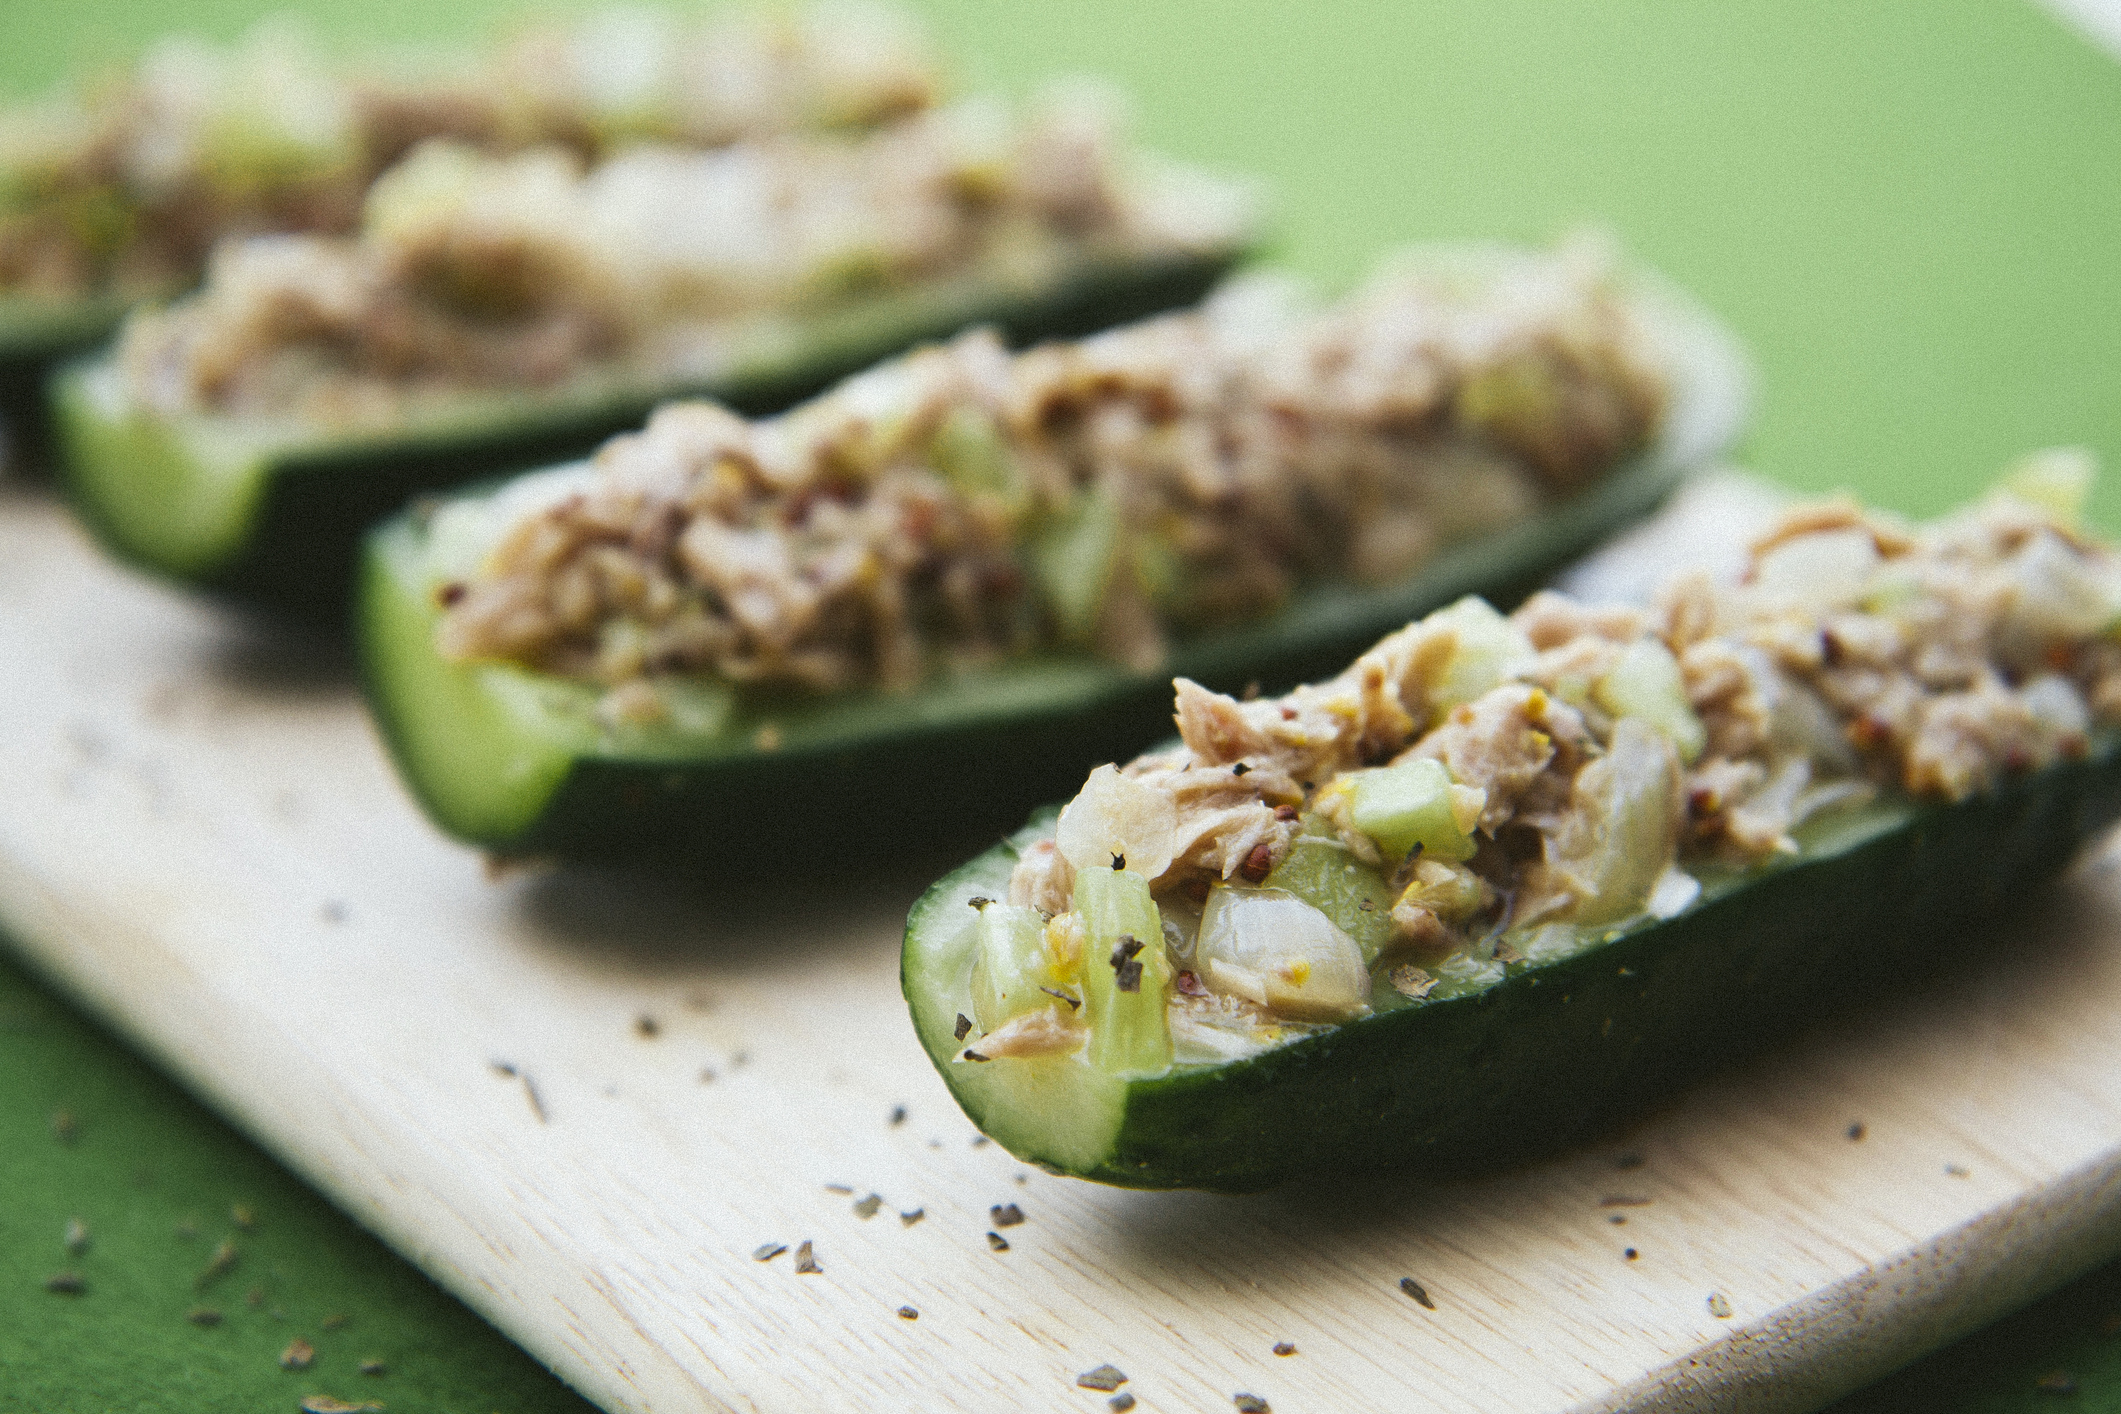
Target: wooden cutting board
{"points": [[583, 1103]]}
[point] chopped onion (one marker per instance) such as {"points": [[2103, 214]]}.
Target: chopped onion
{"points": [[1271, 948], [1117, 817]]}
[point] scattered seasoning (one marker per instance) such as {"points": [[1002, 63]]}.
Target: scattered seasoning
{"points": [[1239, 769], [964, 1026], [998, 1242], [907, 1313], [865, 1208], [530, 1089], [243, 1216], [647, 1027], [67, 1283], [205, 1316], [1857, 1131], [1630, 1253], [909, 1219], [1250, 1404], [1956, 1171], [1074, 1003], [767, 1251], [1119, 862], [2055, 1382], [840, 1188], [336, 1321], [1366, 906], [299, 1355], [1623, 1200], [76, 1236], [374, 1367], [972, 1055], [1105, 1378], [219, 1265], [767, 738], [1410, 981], [1629, 1160], [1283, 1347], [1190, 985], [65, 1128], [325, 1404], [898, 1115], [980, 1141], [1120, 1402], [706, 1075], [1618, 1220], [1719, 1306], [1126, 964], [1005, 1214], [1416, 1290], [1022, 1179], [806, 1259], [979, 901], [332, 912]]}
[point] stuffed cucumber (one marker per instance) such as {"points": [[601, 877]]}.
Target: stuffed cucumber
{"points": [[114, 189], [502, 312], [932, 597], [1507, 878]]}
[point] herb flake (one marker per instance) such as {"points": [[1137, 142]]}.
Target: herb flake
{"points": [[1105, 1378], [865, 1208], [806, 1259], [767, 1251], [1126, 964]]}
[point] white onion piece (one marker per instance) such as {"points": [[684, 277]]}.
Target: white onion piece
{"points": [[1823, 570], [1117, 815], [1270, 947]]}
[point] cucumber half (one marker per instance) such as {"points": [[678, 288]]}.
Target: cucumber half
{"points": [[517, 763], [272, 514], [35, 335], [1502, 1066]]}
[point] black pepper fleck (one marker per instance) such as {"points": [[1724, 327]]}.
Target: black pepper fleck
{"points": [[898, 1115], [998, 1242], [909, 1219], [67, 1283], [907, 1313], [1105, 1378], [1250, 1404], [1005, 1214], [767, 1251], [203, 1316], [1416, 1290], [865, 1208], [1126, 964], [1631, 1254], [964, 1026], [1857, 1131], [1120, 1403], [806, 1259], [1283, 1347]]}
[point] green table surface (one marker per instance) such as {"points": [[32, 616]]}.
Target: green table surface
{"points": [[1911, 209]]}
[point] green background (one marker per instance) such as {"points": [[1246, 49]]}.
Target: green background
{"points": [[1910, 211]]}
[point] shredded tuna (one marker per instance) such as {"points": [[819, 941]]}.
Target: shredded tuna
{"points": [[121, 186], [965, 504], [1856, 654]]}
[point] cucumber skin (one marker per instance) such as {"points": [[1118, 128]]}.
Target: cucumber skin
{"points": [[1554, 1054], [298, 559], [952, 785], [32, 344]]}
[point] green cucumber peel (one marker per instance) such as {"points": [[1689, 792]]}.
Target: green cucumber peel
{"points": [[1502, 1062]]}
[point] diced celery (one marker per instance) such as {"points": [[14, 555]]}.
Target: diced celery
{"points": [[968, 450], [1411, 804], [1074, 556], [1008, 964], [1490, 650], [1321, 872], [1130, 1033], [1646, 683]]}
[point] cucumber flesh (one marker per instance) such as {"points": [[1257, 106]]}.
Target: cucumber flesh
{"points": [[1500, 1063]]}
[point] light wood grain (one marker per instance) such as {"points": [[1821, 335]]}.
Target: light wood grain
{"points": [[200, 839]]}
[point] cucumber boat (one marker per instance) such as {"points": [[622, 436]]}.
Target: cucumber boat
{"points": [[1507, 881], [500, 313], [542, 747], [113, 189]]}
